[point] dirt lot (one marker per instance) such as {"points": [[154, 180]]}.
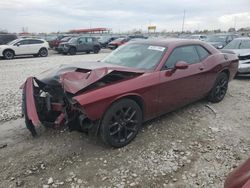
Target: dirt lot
{"points": [[196, 146]]}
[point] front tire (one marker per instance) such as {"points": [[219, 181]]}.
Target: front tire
{"points": [[121, 123], [8, 54], [96, 49], [72, 51], [43, 52], [219, 89]]}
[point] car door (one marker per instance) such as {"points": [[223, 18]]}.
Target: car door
{"points": [[34, 46], [179, 87], [82, 44], [21, 47], [89, 43]]}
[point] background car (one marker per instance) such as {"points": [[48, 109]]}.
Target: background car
{"points": [[241, 47], [5, 38], [62, 41], [80, 44], [220, 40], [118, 42], [55, 43], [105, 40], [27, 46], [198, 37], [135, 83]]}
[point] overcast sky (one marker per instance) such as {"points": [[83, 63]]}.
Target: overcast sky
{"points": [[122, 15]]}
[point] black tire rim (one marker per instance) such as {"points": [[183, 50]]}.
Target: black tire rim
{"points": [[123, 124], [8, 55], [221, 88], [43, 53], [96, 50], [72, 51]]}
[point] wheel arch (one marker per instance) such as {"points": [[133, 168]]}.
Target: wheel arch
{"points": [[8, 49], [133, 96], [227, 72]]}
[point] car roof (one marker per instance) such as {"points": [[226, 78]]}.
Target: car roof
{"points": [[30, 39]]}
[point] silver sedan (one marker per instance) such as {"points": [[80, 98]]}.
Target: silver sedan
{"points": [[241, 46]]}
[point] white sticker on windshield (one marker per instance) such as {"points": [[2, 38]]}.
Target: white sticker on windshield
{"points": [[158, 48]]}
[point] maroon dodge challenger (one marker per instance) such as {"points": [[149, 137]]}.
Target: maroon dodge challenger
{"points": [[137, 82]]}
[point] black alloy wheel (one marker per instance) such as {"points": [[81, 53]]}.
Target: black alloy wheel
{"points": [[121, 123], [96, 49], [220, 88], [72, 51]]}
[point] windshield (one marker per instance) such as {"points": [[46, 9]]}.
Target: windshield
{"points": [[194, 37], [233, 45], [141, 56], [73, 40], [119, 40], [216, 38], [13, 42], [65, 39]]}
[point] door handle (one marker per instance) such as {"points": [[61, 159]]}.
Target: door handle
{"points": [[201, 68]]}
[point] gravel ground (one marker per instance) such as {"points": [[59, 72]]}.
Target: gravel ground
{"points": [[195, 146]]}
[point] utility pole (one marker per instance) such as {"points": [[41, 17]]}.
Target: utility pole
{"points": [[235, 23], [183, 21]]}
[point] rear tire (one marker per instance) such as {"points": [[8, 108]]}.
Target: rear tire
{"points": [[219, 89], [8, 54], [96, 49], [72, 51], [121, 123], [43, 52]]}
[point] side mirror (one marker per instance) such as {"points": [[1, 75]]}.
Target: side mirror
{"points": [[181, 65], [18, 44], [220, 47]]}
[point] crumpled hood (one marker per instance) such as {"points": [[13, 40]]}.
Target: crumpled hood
{"points": [[77, 76]]}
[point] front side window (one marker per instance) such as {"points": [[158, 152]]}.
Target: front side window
{"points": [[23, 42], [184, 53], [82, 40]]}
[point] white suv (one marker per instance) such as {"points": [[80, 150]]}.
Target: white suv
{"points": [[27, 46]]}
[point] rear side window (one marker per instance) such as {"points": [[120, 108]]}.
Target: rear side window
{"points": [[202, 52], [184, 53], [35, 41]]}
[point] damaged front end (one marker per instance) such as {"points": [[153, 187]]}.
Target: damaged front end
{"points": [[50, 106], [49, 100]]}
